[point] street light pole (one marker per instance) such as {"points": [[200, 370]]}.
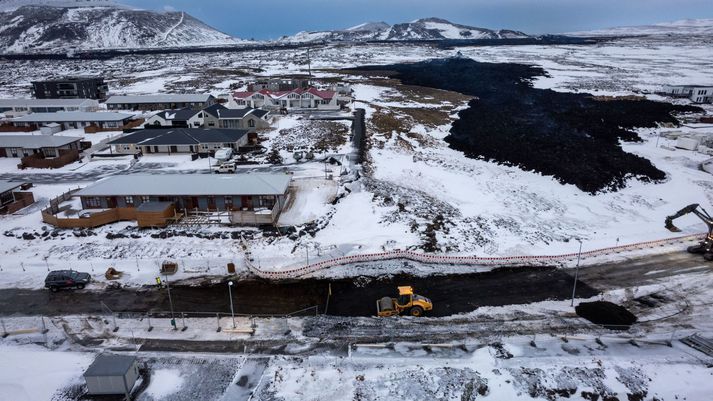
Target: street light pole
{"points": [[230, 293], [576, 272], [170, 302]]}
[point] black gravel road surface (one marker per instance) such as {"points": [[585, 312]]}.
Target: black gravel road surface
{"points": [[451, 294]]}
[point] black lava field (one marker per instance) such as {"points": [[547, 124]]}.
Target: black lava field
{"points": [[570, 136]]}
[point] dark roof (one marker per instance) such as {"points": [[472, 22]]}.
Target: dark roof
{"points": [[181, 136], [180, 114], [260, 113], [213, 108], [110, 365]]}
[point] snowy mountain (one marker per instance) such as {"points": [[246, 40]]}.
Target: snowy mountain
{"points": [[686, 27], [100, 25], [422, 29]]}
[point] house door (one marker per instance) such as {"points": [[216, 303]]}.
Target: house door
{"points": [[211, 203], [155, 149], [2, 152], [111, 202], [248, 202], [173, 149]]}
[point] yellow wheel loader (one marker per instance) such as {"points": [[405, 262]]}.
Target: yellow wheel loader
{"points": [[407, 302]]}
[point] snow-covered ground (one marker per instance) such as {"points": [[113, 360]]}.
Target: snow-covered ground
{"points": [[415, 181]]}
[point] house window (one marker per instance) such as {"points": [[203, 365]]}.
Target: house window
{"points": [[14, 152], [49, 152], [266, 201], [145, 199], [129, 200], [251, 123], [228, 202], [93, 202]]}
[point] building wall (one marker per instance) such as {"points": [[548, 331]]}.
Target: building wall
{"points": [[201, 203], [90, 88], [160, 106]]}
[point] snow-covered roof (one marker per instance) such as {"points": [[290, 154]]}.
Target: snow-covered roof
{"points": [[70, 116], [110, 365], [174, 98], [189, 185], [36, 141], [47, 102], [6, 186]]}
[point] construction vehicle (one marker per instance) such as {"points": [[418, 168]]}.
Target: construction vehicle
{"points": [[706, 246], [408, 302]]}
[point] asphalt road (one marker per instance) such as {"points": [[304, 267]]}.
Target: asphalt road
{"points": [[450, 294]]}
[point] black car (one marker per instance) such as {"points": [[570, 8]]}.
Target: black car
{"points": [[66, 279]]}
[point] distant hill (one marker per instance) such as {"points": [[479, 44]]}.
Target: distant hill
{"points": [[422, 29], [687, 27], [96, 24]]}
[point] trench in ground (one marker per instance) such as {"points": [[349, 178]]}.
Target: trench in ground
{"points": [[451, 294]]}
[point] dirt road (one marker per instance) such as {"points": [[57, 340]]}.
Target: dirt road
{"points": [[451, 294]]}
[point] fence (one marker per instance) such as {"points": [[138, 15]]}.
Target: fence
{"points": [[463, 260], [65, 157], [22, 199]]}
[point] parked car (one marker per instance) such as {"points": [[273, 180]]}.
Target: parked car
{"points": [[58, 279], [228, 167]]}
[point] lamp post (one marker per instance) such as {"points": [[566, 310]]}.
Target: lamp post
{"points": [[230, 293], [576, 272]]}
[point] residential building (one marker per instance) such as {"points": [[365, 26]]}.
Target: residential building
{"points": [[75, 119], [158, 200], [21, 107], [48, 146], [179, 140], [696, 93], [13, 198], [248, 119], [278, 84], [310, 98], [182, 118], [71, 88], [160, 102]]}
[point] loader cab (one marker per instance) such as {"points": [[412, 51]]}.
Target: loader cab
{"points": [[405, 296]]}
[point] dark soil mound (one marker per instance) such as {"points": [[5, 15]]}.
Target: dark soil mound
{"points": [[571, 136], [609, 315]]}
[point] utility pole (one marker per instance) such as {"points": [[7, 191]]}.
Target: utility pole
{"points": [[309, 64], [230, 293], [576, 272], [170, 302]]}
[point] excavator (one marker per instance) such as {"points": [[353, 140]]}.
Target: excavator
{"points": [[706, 246], [413, 304]]}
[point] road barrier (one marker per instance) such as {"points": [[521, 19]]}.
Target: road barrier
{"points": [[463, 260]]}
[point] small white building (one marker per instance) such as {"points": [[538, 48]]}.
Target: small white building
{"points": [[50, 129], [21, 107], [112, 374], [696, 93]]}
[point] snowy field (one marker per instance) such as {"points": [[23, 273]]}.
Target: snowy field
{"points": [[415, 193]]}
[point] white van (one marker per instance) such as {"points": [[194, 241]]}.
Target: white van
{"points": [[224, 154]]}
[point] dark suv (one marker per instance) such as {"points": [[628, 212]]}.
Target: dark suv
{"points": [[66, 279]]}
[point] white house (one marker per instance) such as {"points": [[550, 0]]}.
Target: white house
{"points": [[21, 107], [184, 118], [74, 119], [310, 98], [696, 93]]}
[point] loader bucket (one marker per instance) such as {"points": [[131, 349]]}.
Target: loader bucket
{"points": [[671, 227]]}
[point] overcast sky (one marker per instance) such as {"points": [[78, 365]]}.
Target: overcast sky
{"points": [[270, 19]]}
